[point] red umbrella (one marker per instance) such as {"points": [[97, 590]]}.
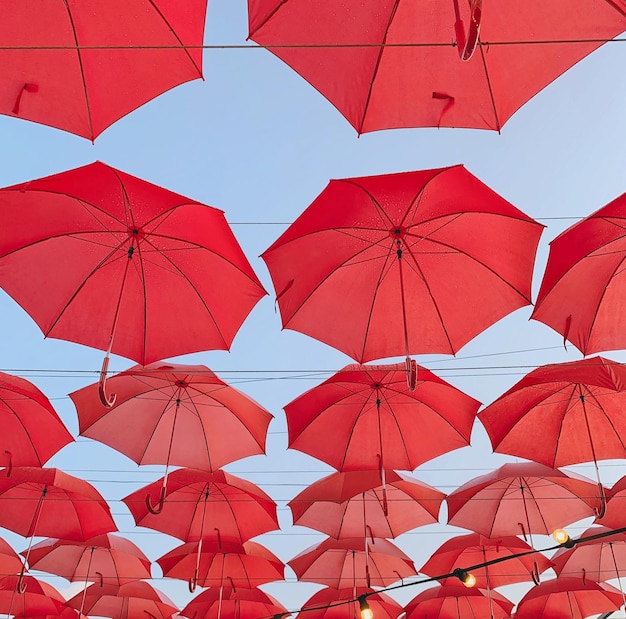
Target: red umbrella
{"points": [[581, 295], [174, 415], [10, 562], [198, 502], [243, 565], [561, 414], [132, 600], [80, 67], [26, 595], [522, 498], [352, 562], [351, 503], [615, 515], [325, 604], [106, 559], [568, 598], [370, 419], [400, 264], [102, 258], [387, 64], [464, 551], [597, 559], [49, 502], [458, 602], [230, 603], [32, 432]]}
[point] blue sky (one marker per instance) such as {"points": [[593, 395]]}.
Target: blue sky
{"points": [[256, 141]]}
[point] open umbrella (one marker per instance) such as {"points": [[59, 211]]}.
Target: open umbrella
{"points": [[102, 258], [522, 498], [464, 551], [197, 503], [241, 565], [174, 414], [353, 562], [133, 600], [33, 597], [231, 603], [582, 290], [32, 431], [568, 598], [48, 502], [370, 419], [351, 503], [81, 66], [458, 602], [386, 64], [105, 559], [562, 414], [401, 264], [324, 604], [10, 562]]}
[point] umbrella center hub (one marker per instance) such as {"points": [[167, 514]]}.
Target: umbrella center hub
{"points": [[181, 383], [397, 233], [135, 233]]}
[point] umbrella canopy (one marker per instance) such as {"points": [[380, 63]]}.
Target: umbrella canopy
{"points": [[371, 420], [129, 601], [241, 565], [597, 559], [615, 516], [32, 431], [582, 291], [323, 604], [353, 562], [174, 414], [458, 602], [198, 502], [400, 264], [351, 503], [229, 603], [10, 562], [34, 597], [562, 414], [388, 64], [81, 66], [101, 258], [568, 598], [464, 551], [522, 498], [49, 502], [107, 559]]}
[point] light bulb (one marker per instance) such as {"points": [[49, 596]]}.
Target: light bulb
{"points": [[366, 611], [467, 578], [560, 536]]}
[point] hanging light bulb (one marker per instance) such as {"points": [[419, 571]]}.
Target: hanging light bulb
{"points": [[467, 578], [560, 536], [366, 611]]}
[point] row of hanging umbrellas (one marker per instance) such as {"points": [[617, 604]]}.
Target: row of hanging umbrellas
{"points": [[80, 68], [419, 247]]}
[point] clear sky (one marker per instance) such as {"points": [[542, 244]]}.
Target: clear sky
{"points": [[256, 141]]}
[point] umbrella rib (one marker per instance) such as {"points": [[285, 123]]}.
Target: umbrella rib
{"points": [[275, 10], [195, 290], [599, 303], [183, 47], [82, 69], [381, 49], [397, 424], [489, 86], [607, 417], [524, 483]]}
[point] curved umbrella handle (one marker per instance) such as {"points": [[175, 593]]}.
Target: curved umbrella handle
{"points": [[601, 511], [534, 574], [158, 508], [101, 579], [193, 582], [107, 401], [10, 464], [521, 526], [467, 44], [20, 585]]}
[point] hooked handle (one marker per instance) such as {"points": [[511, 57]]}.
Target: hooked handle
{"points": [[466, 44], [411, 373], [601, 511], [193, 582], [158, 507], [107, 401], [20, 585]]}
